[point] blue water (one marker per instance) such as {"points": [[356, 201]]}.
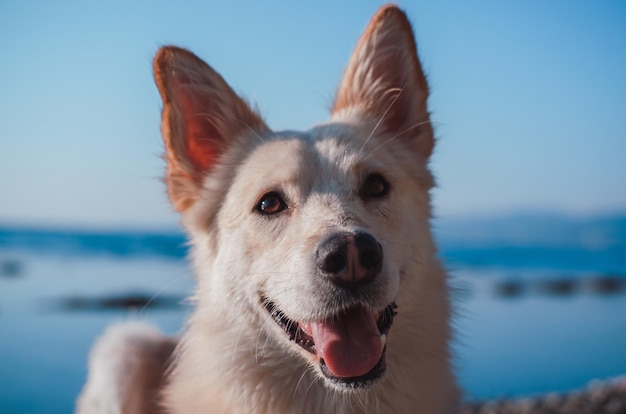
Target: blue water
{"points": [[54, 285]]}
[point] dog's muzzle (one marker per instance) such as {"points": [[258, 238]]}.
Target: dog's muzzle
{"points": [[349, 345]]}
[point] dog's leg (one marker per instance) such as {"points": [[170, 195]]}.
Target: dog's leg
{"points": [[126, 370]]}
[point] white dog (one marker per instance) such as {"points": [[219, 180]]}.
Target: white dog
{"points": [[319, 289]]}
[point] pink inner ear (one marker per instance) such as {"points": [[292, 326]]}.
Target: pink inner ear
{"points": [[200, 135]]}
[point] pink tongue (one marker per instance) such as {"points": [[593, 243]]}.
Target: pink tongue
{"points": [[350, 345]]}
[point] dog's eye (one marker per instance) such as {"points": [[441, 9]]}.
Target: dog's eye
{"points": [[271, 203], [375, 186]]}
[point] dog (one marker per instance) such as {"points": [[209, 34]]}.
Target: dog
{"points": [[319, 289]]}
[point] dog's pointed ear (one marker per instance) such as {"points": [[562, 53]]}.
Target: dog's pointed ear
{"points": [[201, 117], [385, 81]]}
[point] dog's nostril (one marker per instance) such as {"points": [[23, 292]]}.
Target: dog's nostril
{"points": [[370, 259], [370, 251], [335, 262]]}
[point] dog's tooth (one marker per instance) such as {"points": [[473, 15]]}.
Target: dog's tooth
{"points": [[383, 339]]}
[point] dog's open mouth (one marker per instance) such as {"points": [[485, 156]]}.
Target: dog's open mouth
{"points": [[350, 346]]}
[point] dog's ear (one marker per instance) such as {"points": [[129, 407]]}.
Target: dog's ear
{"points": [[384, 79], [201, 117]]}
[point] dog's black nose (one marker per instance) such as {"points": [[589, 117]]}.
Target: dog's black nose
{"points": [[350, 259]]}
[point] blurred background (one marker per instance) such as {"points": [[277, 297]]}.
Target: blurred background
{"points": [[529, 102]]}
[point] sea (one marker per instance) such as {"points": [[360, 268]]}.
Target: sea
{"points": [[539, 303]]}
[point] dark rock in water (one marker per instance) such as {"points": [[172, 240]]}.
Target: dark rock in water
{"points": [[11, 268], [559, 287], [608, 284], [510, 288], [120, 302], [600, 397]]}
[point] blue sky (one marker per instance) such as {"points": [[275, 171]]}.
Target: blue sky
{"points": [[529, 98]]}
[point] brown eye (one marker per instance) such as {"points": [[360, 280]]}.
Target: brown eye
{"points": [[271, 203], [375, 186]]}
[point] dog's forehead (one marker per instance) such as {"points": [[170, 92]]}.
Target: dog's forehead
{"points": [[325, 158], [334, 143]]}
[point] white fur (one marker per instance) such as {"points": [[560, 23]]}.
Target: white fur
{"points": [[232, 356], [252, 367], [125, 368]]}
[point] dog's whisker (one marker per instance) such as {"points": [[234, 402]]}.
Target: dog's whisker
{"points": [[264, 330], [302, 376], [162, 289], [308, 389], [419, 124], [234, 355], [254, 131], [380, 120], [264, 348], [272, 273], [211, 119]]}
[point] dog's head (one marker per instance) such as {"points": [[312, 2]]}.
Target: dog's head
{"points": [[312, 234]]}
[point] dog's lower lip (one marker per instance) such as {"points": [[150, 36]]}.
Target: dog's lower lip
{"points": [[300, 336]]}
